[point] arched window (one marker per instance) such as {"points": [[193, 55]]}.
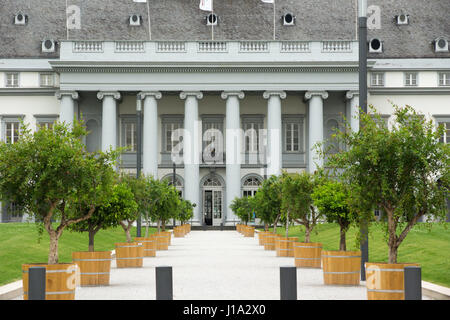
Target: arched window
{"points": [[178, 182], [250, 185], [212, 182]]}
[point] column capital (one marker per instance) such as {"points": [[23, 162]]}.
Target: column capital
{"points": [[60, 93], [310, 94], [197, 94], [144, 94], [268, 94], [226, 94], [351, 94], [115, 94]]}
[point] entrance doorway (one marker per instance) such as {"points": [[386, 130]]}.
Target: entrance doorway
{"points": [[212, 201]]}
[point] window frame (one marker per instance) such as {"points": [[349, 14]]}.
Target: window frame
{"points": [[443, 119], [298, 119], [52, 76], [40, 119], [169, 120], [374, 75], [414, 79], [10, 119], [13, 85], [252, 120], [444, 79], [125, 120]]}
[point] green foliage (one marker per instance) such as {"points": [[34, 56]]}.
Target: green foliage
{"points": [[242, 207], [404, 170], [51, 175], [267, 201], [186, 211], [164, 200], [332, 199]]}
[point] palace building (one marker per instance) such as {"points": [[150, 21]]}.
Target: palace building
{"points": [[248, 88]]}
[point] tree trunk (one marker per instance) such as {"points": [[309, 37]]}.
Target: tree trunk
{"points": [[275, 223], [287, 224], [342, 243], [307, 234], [127, 229], [159, 226], [146, 225], [266, 227], [91, 240], [393, 254], [164, 225], [53, 251]]}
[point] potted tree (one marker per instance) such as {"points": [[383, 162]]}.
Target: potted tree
{"points": [[243, 209], [95, 265], [130, 254], [340, 267], [50, 174], [404, 171], [164, 205], [267, 206], [185, 213]]}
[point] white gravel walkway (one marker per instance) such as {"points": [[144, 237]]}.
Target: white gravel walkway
{"points": [[217, 265]]}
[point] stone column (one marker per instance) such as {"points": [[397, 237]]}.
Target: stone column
{"points": [[109, 119], [67, 105], [315, 126], [150, 132], [191, 151], [353, 111], [274, 127], [233, 150]]}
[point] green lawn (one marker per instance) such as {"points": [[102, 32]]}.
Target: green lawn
{"points": [[18, 245], [429, 248]]}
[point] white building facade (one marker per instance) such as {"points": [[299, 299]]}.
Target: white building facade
{"points": [[245, 109]]}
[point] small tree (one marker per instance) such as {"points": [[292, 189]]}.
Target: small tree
{"points": [[118, 207], [403, 171], [297, 203], [137, 185], [242, 207], [186, 211], [164, 202], [333, 201], [51, 175], [267, 202]]}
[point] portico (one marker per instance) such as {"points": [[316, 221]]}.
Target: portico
{"points": [[241, 112]]}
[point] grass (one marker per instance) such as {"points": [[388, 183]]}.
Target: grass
{"points": [[19, 245], [429, 248]]}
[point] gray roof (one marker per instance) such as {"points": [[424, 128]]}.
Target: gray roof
{"points": [[238, 20]]}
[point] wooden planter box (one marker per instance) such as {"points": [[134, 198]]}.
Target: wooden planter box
{"points": [[285, 246], [60, 281], [129, 255], [149, 245], [269, 241], [249, 231], [307, 255], [179, 232], [94, 267], [162, 241], [341, 267], [385, 281], [238, 228], [261, 237]]}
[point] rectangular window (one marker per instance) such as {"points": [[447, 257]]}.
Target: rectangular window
{"points": [[47, 79], [169, 128], [293, 135], [251, 136], [130, 138], [377, 79], [446, 136], [12, 80], [411, 79], [444, 79], [12, 131]]}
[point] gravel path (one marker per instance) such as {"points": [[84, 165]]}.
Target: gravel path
{"points": [[217, 265]]}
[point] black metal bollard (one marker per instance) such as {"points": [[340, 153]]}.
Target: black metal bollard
{"points": [[36, 283], [413, 283], [164, 283], [288, 283]]}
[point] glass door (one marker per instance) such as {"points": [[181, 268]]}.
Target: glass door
{"points": [[208, 207], [217, 207]]}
